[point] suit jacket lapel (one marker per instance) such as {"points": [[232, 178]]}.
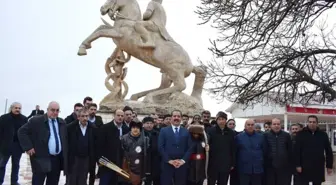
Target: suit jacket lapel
{"points": [[61, 130], [180, 132], [46, 123], [171, 131]]}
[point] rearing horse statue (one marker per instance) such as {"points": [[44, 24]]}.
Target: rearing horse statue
{"points": [[166, 54]]}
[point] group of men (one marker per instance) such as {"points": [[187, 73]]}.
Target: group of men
{"points": [[161, 150]]}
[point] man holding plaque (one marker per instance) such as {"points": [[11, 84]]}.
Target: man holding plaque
{"points": [[109, 147]]}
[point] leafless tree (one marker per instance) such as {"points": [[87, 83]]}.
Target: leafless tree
{"points": [[279, 50]]}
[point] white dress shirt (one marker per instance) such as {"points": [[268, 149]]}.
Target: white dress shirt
{"points": [[174, 128], [83, 128], [119, 127]]}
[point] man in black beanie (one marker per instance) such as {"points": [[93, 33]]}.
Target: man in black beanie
{"points": [[154, 178], [222, 153]]}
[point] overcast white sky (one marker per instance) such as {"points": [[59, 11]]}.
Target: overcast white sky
{"points": [[39, 43], [38, 52]]}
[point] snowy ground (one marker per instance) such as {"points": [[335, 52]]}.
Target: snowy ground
{"points": [[25, 174]]}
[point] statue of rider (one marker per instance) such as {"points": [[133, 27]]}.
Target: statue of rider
{"points": [[154, 20]]}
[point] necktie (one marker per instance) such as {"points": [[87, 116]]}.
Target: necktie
{"points": [[55, 135], [176, 134]]}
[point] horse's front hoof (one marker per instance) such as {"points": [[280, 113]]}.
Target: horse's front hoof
{"points": [[81, 51]]}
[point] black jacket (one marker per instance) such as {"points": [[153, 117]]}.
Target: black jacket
{"points": [[222, 153], [73, 132], [313, 153], [9, 125], [155, 161], [99, 121], [35, 134], [35, 112], [109, 145], [69, 119], [278, 150]]}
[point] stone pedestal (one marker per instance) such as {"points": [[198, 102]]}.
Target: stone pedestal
{"points": [[159, 105], [108, 116]]}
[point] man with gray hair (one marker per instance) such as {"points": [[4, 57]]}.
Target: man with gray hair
{"points": [[44, 138], [9, 143], [81, 142]]}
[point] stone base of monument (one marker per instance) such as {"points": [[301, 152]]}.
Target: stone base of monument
{"points": [[159, 105]]}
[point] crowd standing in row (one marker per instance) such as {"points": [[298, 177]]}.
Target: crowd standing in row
{"points": [[161, 150]]}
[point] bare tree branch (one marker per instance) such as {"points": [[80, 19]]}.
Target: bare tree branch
{"points": [[269, 49]]}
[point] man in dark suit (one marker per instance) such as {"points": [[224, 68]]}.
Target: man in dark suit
{"points": [[9, 143], [44, 138], [109, 146], [175, 147], [81, 142], [35, 112]]}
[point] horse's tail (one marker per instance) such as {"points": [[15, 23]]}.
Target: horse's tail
{"points": [[106, 23], [200, 74], [125, 90], [107, 83]]}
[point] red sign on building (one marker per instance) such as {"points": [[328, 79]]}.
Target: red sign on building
{"points": [[307, 110]]}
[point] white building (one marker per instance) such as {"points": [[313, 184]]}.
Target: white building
{"points": [[291, 113]]}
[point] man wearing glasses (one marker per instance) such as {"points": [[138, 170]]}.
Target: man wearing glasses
{"points": [[44, 138]]}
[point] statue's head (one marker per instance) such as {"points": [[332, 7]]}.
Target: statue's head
{"points": [[159, 1], [125, 9], [110, 6]]}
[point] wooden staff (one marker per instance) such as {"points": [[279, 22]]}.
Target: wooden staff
{"points": [[206, 154], [105, 162]]}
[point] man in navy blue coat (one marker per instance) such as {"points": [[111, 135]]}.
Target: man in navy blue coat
{"points": [[251, 149], [175, 148]]}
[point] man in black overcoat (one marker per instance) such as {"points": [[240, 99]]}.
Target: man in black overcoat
{"points": [[44, 138], [109, 146], [81, 139], [155, 167], [9, 142], [313, 154]]}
